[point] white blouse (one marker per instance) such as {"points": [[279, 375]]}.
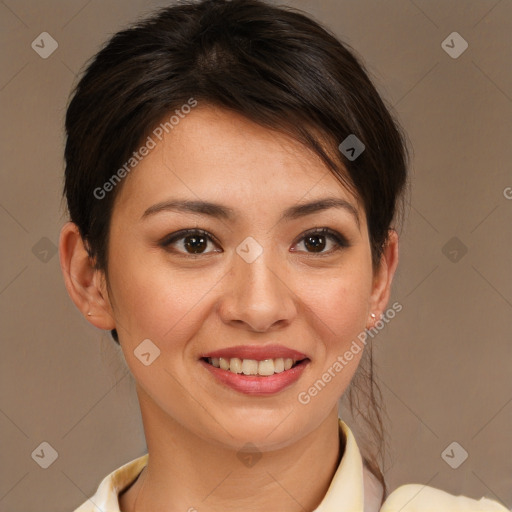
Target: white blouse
{"points": [[352, 489]]}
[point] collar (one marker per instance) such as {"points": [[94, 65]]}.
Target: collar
{"points": [[345, 491]]}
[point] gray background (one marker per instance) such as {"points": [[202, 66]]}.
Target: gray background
{"points": [[444, 361]]}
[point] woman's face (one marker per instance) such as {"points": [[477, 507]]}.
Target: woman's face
{"points": [[254, 282]]}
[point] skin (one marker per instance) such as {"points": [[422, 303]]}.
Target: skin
{"points": [[188, 305]]}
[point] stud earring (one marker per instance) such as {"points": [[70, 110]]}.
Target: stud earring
{"points": [[89, 314], [373, 315]]}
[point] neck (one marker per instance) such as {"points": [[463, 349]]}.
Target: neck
{"points": [[186, 472]]}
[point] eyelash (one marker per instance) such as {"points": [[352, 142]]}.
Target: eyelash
{"points": [[339, 240]]}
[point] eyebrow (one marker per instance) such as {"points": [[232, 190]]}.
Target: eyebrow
{"points": [[223, 212]]}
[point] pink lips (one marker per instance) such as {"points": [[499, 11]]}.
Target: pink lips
{"points": [[258, 352], [255, 384]]}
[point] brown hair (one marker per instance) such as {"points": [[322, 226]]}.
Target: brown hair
{"points": [[274, 65]]}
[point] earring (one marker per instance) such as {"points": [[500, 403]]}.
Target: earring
{"points": [[89, 314], [371, 323]]}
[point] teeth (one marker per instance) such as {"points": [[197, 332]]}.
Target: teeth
{"points": [[235, 365], [279, 365], [266, 367], [251, 366]]}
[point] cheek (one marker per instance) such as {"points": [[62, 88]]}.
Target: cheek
{"points": [[340, 304], [152, 302], [339, 308], [168, 309]]}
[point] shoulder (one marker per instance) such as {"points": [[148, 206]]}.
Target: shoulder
{"points": [[421, 498], [106, 497]]}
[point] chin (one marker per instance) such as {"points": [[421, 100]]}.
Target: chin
{"points": [[267, 429]]}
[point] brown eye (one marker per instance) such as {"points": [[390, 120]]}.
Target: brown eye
{"points": [[317, 240], [193, 242], [315, 243]]}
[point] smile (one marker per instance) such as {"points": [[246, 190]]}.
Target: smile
{"points": [[253, 377], [264, 368]]}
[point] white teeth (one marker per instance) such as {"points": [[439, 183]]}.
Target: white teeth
{"points": [[251, 366], [279, 365], [266, 367], [235, 365]]}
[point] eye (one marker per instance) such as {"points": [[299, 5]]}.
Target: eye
{"points": [[190, 241], [316, 240], [196, 241]]}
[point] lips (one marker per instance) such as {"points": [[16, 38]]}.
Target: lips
{"points": [[257, 352], [256, 369]]}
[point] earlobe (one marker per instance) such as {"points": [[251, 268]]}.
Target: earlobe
{"points": [[384, 274], [84, 283]]}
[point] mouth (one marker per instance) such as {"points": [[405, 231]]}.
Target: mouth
{"points": [[254, 367]]}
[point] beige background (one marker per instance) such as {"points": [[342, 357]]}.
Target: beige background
{"points": [[444, 361]]}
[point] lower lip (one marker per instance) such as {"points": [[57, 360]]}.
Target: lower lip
{"points": [[256, 385]]}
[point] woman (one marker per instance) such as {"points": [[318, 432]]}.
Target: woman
{"points": [[233, 179]]}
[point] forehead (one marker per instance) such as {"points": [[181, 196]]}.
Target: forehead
{"points": [[219, 155]]}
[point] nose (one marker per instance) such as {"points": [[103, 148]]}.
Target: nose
{"points": [[258, 296]]}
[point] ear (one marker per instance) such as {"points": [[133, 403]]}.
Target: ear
{"points": [[86, 286], [383, 276]]}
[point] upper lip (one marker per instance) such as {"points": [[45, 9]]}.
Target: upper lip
{"points": [[257, 352]]}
